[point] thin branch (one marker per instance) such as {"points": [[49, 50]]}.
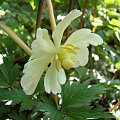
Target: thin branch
{"points": [[69, 9], [51, 14], [115, 106], [78, 6], [71, 2], [83, 12], [39, 13], [84, 7], [15, 38], [70, 5]]}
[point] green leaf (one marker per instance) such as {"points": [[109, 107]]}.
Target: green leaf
{"points": [[31, 3], [80, 94], [115, 22], [40, 87], [2, 1], [76, 100], [86, 112], [50, 109], [3, 110], [17, 97], [117, 65], [118, 1], [6, 42], [58, 1], [9, 72], [17, 116], [82, 72], [108, 2]]}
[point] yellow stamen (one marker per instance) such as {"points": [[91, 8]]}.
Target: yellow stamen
{"points": [[67, 64], [69, 47], [66, 55]]}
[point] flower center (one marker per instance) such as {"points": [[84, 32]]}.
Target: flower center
{"points": [[66, 55]]}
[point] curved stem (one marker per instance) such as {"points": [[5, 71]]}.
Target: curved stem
{"points": [[70, 5], [39, 13], [51, 14], [69, 9], [83, 12], [15, 38], [78, 6]]}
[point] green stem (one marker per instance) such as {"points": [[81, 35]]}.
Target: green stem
{"points": [[15, 38]]}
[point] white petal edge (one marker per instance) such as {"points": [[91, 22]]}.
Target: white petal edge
{"points": [[32, 73], [61, 76], [42, 36], [84, 37], [82, 57], [42, 44], [51, 81], [61, 26]]}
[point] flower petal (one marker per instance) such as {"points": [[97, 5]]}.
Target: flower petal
{"points": [[53, 79], [32, 72], [84, 37], [60, 28], [82, 56], [42, 45], [61, 76], [43, 50]]}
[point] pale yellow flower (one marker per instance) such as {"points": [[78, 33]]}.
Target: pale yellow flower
{"points": [[71, 54]]}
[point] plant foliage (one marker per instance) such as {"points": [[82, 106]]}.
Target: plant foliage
{"points": [[90, 91]]}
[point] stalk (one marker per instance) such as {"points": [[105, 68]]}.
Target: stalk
{"points": [[51, 14], [15, 38]]}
